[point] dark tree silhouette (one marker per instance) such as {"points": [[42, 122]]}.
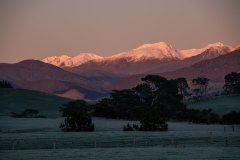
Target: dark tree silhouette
{"points": [[232, 83], [231, 118], [5, 84], [182, 87], [76, 117], [77, 121], [30, 113], [27, 113], [200, 85], [164, 95], [153, 121]]}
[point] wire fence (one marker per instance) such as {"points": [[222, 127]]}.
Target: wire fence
{"points": [[58, 140]]}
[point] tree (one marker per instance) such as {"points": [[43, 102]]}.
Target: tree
{"points": [[77, 121], [153, 121], [163, 95], [200, 85], [182, 87], [231, 118], [5, 84], [76, 117], [30, 113], [27, 113], [128, 127], [232, 83]]}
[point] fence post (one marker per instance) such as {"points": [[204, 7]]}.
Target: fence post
{"points": [[134, 142], [95, 143], [18, 145], [211, 136], [226, 142], [54, 144], [73, 146], [13, 144], [172, 139]]}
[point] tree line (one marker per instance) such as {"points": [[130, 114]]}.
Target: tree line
{"points": [[153, 103]]}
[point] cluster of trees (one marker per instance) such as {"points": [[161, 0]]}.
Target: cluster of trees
{"points": [[200, 84], [5, 84], [232, 83], [76, 116], [152, 121], [152, 102], [231, 118], [27, 113], [167, 96], [133, 104]]}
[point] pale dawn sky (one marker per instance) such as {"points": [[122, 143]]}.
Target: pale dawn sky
{"points": [[35, 29]]}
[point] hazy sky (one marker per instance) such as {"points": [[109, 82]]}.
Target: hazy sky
{"points": [[35, 29]]}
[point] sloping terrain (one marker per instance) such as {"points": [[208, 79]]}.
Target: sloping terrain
{"points": [[220, 105], [36, 75], [17, 100]]}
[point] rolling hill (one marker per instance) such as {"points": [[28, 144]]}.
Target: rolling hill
{"points": [[36, 75], [220, 105], [17, 100]]}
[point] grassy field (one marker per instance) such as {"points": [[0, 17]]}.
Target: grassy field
{"points": [[24, 138], [221, 105], [16, 100], [36, 139], [151, 153]]}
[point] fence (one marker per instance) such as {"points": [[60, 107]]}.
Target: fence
{"points": [[119, 139]]}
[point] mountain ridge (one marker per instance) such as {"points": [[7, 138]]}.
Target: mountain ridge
{"points": [[66, 61], [160, 51], [215, 69]]}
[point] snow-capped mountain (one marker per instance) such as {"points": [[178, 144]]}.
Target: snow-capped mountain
{"points": [[214, 52], [147, 58], [193, 52], [158, 51], [66, 61], [153, 58], [56, 61]]}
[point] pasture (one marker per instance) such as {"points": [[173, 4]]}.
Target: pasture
{"points": [[41, 138], [17, 100], [220, 105]]}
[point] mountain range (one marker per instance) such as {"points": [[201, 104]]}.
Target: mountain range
{"points": [[215, 69], [88, 76], [148, 58]]}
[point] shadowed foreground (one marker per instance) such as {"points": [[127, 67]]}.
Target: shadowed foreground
{"points": [[126, 153]]}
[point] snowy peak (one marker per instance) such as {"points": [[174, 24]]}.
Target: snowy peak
{"points": [[156, 45], [155, 51], [84, 57], [218, 44], [159, 51], [57, 61], [66, 61], [236, 47], [215, 51], [194, 52]]}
